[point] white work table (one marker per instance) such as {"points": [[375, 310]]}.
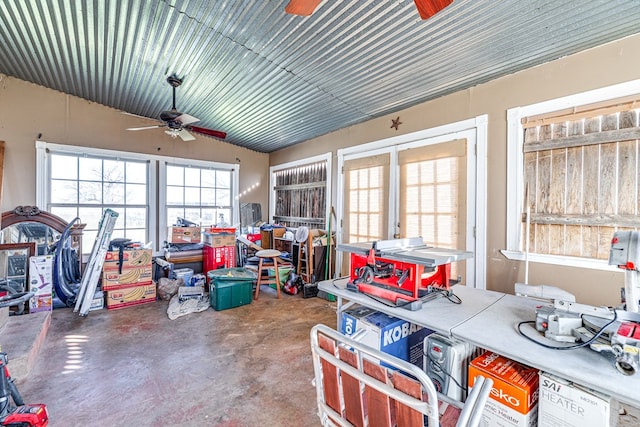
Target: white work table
{"points": [[489, 320], [440, 315]]}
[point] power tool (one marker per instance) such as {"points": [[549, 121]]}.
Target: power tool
{"points": [[401, 272], [18, 414], [603, 329]]}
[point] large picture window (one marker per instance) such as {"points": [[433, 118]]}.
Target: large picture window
{"points": [[146, 191]]}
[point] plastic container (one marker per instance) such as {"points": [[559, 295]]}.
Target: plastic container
{"points": [[283, 273], [184, 274], [230, 287]]}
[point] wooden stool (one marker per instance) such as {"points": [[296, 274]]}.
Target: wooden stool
{"points": [[268, 259]]}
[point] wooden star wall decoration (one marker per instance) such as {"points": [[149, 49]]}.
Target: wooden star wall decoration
{"points": [[395, 123]]}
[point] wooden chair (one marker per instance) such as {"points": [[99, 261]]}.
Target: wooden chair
{"points": [[268, 261], [357, 385]]}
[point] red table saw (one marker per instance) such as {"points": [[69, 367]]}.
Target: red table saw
{"points": [[402, 272]]}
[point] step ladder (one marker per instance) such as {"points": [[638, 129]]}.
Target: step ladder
{"points": [[305, 251], [93, 270]]}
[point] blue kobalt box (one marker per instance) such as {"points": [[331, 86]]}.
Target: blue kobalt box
{"points": [[388, 334]]}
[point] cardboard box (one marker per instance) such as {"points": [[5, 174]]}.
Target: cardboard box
{"points": [[130, 258], [388, 334], [41, 282], [513, 401], [218, 240], [184, 234], [111, 279], [564, 404], [97, 303], [132, 295]]}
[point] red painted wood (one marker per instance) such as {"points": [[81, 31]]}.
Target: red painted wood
{"points": [[378, 404], [353, 404], [330, 379], [428, 8], [404, 414], [302, 7]]}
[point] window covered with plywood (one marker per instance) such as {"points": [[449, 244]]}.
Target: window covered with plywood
{"points": [[301, 195], [581, 177]]}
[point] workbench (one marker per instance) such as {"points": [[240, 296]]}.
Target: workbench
{"points": [[489, 320]]}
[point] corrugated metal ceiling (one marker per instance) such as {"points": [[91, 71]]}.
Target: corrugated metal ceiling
{"points": [[271, 80]]}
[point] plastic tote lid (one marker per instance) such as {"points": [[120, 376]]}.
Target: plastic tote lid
{"points": [[232, 273]]}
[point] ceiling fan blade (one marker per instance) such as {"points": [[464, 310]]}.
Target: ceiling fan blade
{"points": [[209, 132], [186, 119], [185, 136], [147, 127], [428, 8], [302, 7], [136, 115]]}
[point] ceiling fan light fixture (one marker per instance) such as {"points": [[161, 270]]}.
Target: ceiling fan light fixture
{"points": [[428, 8], [302, 7]]}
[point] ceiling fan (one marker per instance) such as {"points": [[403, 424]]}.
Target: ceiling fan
{"points": [[426, 8], [178, 124]]}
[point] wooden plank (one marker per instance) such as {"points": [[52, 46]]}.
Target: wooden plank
{"points": [[558, 185], [545, 133], [574, 181], [583, 140], [627, 177], [330, 379], [607, 196], [593, 220], [559, 130], [531, 135], [573, 243], [378, 404], [605, 234], [542, 238], [353, 404], [575, 127], [628, 119], [609, 122], [543, 182], [406, 416], [556, 240], [590, 242], [590, 171]]}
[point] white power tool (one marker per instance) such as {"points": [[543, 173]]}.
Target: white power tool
{"points": [[601, 328]]}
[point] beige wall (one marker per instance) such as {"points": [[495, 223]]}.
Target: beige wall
{"points": [[606, 65], [27, 110]]}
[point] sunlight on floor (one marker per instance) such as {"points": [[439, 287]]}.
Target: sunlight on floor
{"points": [[74, 352]]}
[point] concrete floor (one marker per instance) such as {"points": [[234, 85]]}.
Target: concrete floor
{"points": [[246, 366]]}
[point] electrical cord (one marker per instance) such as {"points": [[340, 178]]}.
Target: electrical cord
{"points": [[444, 371], [571, 347]]}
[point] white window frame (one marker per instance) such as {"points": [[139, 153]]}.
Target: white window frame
{"points": [[515, 171], [157, 225], [299, 163], [475, 132], [162, 195]]}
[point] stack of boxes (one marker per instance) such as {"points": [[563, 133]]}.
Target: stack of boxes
{"points": [[129, 283], [219, 249]]}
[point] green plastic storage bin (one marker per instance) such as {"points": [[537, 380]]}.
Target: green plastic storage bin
{"points": [[230, 287]]}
